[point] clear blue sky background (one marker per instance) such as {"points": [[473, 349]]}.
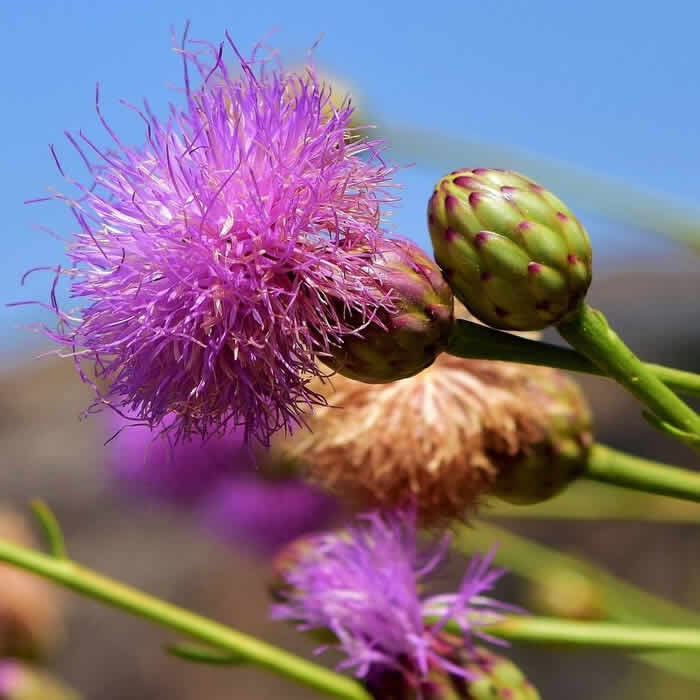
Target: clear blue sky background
{"points": [[611, 86]]}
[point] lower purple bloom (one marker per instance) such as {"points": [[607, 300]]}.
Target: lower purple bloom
{"points": [[266, 513], [221, 480], [363, 585]]}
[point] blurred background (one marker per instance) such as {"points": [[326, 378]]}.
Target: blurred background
{"points": [[598, 101]]}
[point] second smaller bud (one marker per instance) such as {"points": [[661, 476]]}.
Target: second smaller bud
{"points": [[406, 340]]}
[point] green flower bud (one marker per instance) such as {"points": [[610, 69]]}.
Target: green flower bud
{"points": [[496, 677], [405, 340], [511, 251], [492, 677], [555, 458]]}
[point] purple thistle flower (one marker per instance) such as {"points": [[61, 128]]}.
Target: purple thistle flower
{"points": [[222, 482], [363, 584], [219, 259]]}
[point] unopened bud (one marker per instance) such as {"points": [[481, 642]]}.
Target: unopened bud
{"points": [[401, 342], [548, 464], [488, 677], [512, 252]]}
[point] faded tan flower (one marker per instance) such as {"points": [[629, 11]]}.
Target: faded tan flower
{"points": [[447, 436], [30, 608]]}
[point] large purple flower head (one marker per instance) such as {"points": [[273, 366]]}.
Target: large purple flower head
{"points": [[363, 584], [217, 260]]}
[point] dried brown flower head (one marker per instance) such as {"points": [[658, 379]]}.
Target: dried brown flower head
{"points": [[30, 608], [446, 437]]}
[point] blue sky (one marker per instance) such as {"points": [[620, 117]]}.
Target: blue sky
{"points": [[609, 86]]}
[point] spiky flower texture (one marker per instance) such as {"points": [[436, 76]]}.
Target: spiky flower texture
{"points": [[215, 261], [362, 584]]}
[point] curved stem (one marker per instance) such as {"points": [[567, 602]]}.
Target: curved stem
{"points": [[613, 467], [118, 595], [473, 341], [588, 331]]}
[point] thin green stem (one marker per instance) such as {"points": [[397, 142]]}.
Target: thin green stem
{"points": [[621, 601], [613, 467], [593, 500], [473, 341], [118, 595], [588, 331], [602, 635]]}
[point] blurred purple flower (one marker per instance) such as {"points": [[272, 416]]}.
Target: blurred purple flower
{"points": [[216, 261], [362, 584], [222, 482], [183, 473], [267, 514], [10, 673]]}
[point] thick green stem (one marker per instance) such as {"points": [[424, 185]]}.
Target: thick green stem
{"points": [[588, 331], [613, 467], [473, 341], [118, 595]]}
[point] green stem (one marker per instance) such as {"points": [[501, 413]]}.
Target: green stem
{"points": [[613, 467], [593, 500], [588, 331], [622, 601], [602, 635], [473, 341], [118, 595]]}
